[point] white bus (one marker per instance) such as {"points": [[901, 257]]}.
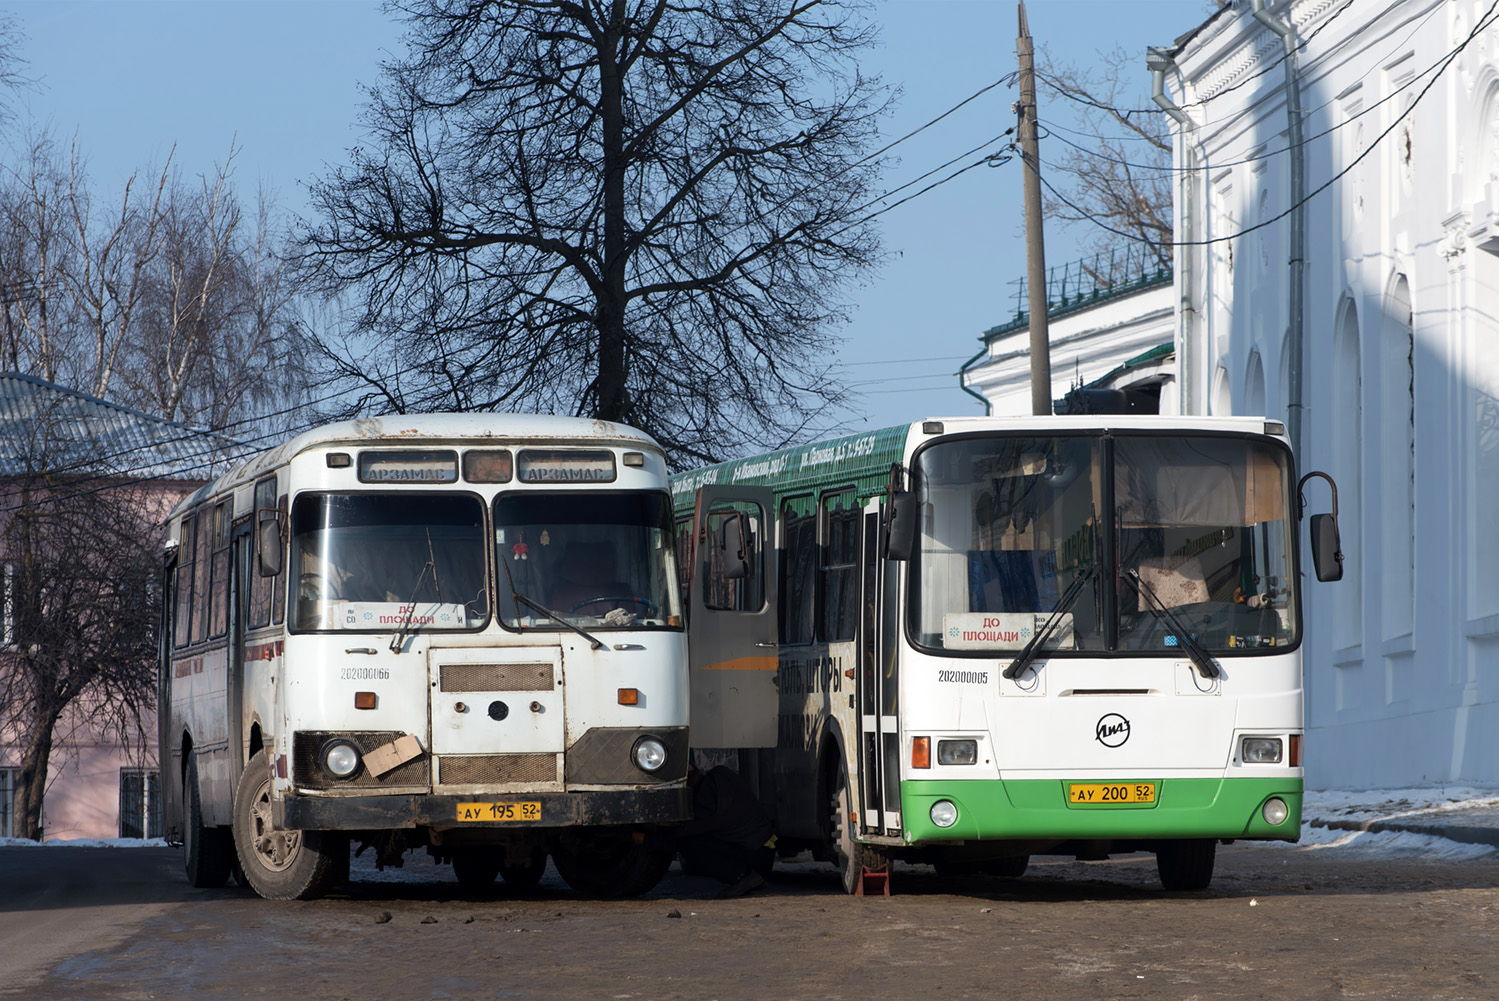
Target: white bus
{"points": [[458, 632], [1000, 638]]}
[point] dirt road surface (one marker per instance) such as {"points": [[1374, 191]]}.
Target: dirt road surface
{"points": [[1277, 923]]}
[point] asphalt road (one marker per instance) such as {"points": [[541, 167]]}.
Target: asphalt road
{"points": [[121, 925]]}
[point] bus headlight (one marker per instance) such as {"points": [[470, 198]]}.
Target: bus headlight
{"points": [[1260, 750], [340, 758], [649, 754], [957, 752], [944, 813], [1275, 811]]}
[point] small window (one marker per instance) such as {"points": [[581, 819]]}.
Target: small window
{"points": [[260, 587], [8, 802], [8, 608], [736, 594], [488, 465], [798, 568], [140, 803], [840, 564], [218, 585], [278, 600], [201, 560], [183, 585], [536, 465], [683, 545]]}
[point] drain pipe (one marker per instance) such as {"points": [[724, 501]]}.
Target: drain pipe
{"points": [[1193, 383], [1295, 335], [963, 382]]}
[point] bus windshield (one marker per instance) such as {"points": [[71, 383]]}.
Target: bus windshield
{"points": [[597, 560], [1122, 543], [384, 562]]}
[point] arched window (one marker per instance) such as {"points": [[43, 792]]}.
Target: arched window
{"points": [[1254, 386]]}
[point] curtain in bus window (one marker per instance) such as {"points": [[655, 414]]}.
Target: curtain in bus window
{"points": [[1196, 481], [798, 569], [186, 553], [840, 590], [201, 551]]}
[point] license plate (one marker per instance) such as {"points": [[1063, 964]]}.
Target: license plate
{"points": [[489, 813], [1109, 793]]}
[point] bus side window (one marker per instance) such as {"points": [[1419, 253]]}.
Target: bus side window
{"points": [[737, 594], [201, 551], [261, 587], [278, 598], [798, 569], [840, 565], [183, 574], [218, 586], [683, 546]]}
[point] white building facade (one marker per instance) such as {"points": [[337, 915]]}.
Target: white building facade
{"points": [[1398, 342]]}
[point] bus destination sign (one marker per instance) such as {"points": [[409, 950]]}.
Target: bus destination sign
{"points": [[408, 467], [554, 466]]}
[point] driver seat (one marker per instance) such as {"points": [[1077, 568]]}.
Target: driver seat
{"points": [[588, 571]]}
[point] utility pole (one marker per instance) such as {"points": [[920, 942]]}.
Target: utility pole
{"points": [[1035, 250]]}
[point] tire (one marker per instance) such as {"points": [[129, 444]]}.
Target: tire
{"points": [[207, 852], [1186, 865], [476, 867], [1012, 867], [524, 872], [850, 856], [280, 865], [609, 864]]}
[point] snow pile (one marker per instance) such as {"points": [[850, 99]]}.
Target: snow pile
{"points": [[1427, 806]]}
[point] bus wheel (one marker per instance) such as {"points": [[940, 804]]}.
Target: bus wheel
{"points": [[851, 856], [611, 864], [208, 852], [280, 865], [1187, 864], [476, 867], [523, 871], [1012, 867]]}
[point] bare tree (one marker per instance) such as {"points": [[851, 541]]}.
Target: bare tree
{"points": [[639, 210], [1116, 166], [166, 298]]}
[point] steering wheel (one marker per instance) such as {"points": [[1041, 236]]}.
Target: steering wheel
{"points": [[652, 610], [311, 587]]}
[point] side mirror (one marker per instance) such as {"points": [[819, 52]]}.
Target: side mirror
{"points": [[269, 546], [900, 528], [731, 546], [1327, 554]]}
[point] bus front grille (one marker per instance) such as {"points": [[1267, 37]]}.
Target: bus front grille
{"points": [[494, 769], [497, 677]]}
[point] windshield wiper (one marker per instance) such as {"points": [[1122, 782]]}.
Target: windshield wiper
{"points": [[544, 610], [1028, 653], [1157, 607], [431, 564]]}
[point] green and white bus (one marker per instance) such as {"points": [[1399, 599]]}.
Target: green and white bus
{"points": [[970, 641]]}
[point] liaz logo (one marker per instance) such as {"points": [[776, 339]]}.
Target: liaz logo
{"points": [[1111, 730]]}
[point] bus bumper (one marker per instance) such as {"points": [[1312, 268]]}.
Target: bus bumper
{"points": [[552, 809], [1039, 809]]}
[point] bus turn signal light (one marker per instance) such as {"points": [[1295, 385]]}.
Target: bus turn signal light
{"points": [[629, 696], [921, 752], [364, 700], [1295, 750]]}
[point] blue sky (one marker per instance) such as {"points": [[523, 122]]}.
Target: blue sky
{"points": [[284, 81]]}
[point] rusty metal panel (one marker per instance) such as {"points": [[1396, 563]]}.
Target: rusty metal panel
{"points": [[497, 678], [496, 769]]}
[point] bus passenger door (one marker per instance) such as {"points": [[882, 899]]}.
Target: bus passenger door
{"points": [[733, 650], [879, 730], [241, 561]]}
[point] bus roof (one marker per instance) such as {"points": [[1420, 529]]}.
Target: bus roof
{"points": [[476, 429], [864, 460]]}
